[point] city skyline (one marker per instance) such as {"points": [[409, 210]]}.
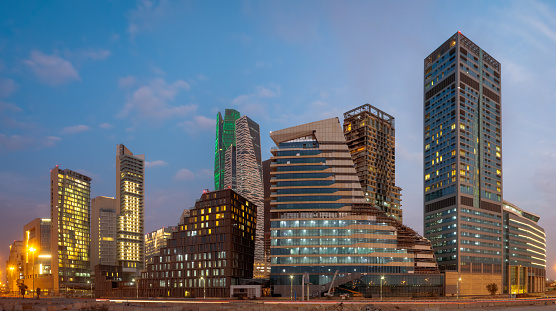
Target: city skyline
{"points": [[68, 96]]}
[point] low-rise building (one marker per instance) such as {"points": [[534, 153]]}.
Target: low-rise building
{"points": [[524, 252], [14, 266]]}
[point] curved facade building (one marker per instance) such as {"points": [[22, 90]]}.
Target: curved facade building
{"points": [[321, 223]]}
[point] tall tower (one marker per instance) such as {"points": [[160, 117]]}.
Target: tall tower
{"points": [[225, 137], [249, 173], [371, 138], [463, 162], [130, 201], [70, 207]]}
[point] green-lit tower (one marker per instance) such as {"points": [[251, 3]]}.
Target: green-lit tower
{"points": [[225, 137]]}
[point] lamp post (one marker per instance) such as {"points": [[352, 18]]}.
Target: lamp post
{"points": [[381, 280], [204, 287], [32, 250], [459, 280], [291, 287], [12, 278], [89, 282]]}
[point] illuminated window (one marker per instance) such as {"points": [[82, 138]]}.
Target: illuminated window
{"points": [[427, 177]]}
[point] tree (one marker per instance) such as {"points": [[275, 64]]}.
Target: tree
{"points": [[22, 289], [492, 288]]}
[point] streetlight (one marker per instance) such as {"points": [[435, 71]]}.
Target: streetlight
{"points": [[459, 280], [204, 288], [381, 280], [291, 287], [12, 278], [137, 286], [32, 249], [89, 282]]}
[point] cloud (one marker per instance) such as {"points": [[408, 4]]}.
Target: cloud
{"points": [[94, 54], [202, 77], [126, 81], [145, 15], [152, 101], [184, 174], [272, 90], [9, 107], [198, 123], [18, 142], [7, 87], [75, 129], [106, 126], [51, 69], [150, 164]]}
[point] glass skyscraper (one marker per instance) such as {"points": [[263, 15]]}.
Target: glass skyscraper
{"points": [[70, 208], [225, 138], [321, 223], [463, 162]]}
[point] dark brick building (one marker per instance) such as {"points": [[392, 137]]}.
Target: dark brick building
{"points": [[212, 250]]}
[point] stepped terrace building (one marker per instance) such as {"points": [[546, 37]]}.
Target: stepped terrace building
{"points": [[524, 252], [214, 249], [321, 223]]}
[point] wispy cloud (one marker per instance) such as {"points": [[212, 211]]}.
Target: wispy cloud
{"points": [[184, 174], [126, 81], [152, 101], [150, 164], [94, 54], [9, 107], [51, 69], [198, 123], [19, 142], [106, 126], [7, 87], [75, 129]]}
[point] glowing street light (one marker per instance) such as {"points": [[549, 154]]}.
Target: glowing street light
{"points": [[381, 280], [32, 250], [291, 287], [459, 280], [204, 287]]}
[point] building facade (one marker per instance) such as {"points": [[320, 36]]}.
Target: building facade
{"points": [[463, 162], [38, 272], [104, 230], [371, 138], [211, 251], [524, 252], [15, 272], [225, 137], [70, 207], [156, 240], [322, 224], [130, 203]]}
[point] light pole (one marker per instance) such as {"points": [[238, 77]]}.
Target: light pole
{"points": [[89, 282], [12, 279], [291, 287], [459, 280], [381, 280], [32, 250], [204, 287]]}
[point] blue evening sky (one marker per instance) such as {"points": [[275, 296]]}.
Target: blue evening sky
{"points": [[79, 77]]}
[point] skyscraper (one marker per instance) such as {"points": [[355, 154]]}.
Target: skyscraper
{"points": [[156, 240], [238, 165], [104, 230], [463, 161], [70, 207], [371, 137], [130, 202], [249, 173], [322, 224], [225, 137]]}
